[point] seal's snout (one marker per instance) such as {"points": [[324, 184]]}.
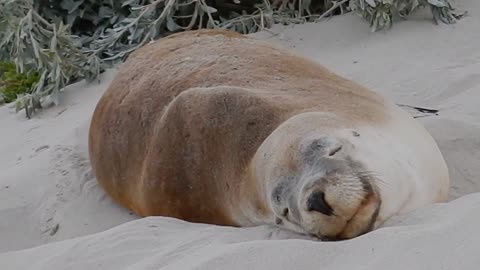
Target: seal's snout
{"points": [[317, 202], [338, 205]]}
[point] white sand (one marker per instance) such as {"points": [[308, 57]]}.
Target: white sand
{"points": [[48, 194]]}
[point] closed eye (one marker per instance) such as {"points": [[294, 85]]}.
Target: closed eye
{"points": [[334, 151]]}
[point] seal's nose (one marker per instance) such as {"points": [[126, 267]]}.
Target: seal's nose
{"points": [[316, 202]]}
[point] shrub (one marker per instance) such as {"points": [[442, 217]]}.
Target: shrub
{"points": [[70, 40], [14, 84]]}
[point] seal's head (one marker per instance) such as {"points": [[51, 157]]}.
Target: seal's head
{"points": [[318, 185]]}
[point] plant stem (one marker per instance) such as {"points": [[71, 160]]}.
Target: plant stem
{"points": [[335, 5]]}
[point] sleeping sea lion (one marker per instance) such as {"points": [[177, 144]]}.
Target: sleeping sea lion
{"points": [[216, 127]]}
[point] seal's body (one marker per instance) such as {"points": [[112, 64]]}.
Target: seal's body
{"points": [[214, 127]]}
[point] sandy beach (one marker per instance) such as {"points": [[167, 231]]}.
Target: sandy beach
{"points": [[53, 214]]}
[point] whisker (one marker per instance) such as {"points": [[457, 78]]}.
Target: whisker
{"points": [[373, 177]]}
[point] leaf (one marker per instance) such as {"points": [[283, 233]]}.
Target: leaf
{"points": [[171, 25], [438, 3], [129, 2], [71, 5], [105, 12], [208, 9], [371, 3], [72, 17]]}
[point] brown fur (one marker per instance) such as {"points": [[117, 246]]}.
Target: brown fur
{"points": [[161, 146]]}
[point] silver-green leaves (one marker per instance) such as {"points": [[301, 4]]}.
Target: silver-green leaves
{"points": [[381, 13], [70, 40]]}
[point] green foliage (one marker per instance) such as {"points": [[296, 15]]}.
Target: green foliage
{"points": [[13, 84], [34, 43], [381, 13], [70, 40]]}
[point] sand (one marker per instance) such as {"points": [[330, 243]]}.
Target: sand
{"points": [[53, 215]]}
